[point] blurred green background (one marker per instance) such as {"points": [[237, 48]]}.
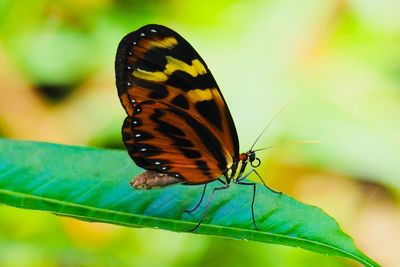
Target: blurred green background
{"points": [[340, 59]]}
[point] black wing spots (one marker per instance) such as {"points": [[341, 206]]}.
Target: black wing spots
{"points": [[182, 142], [152, 164], [209, 110], [159, 94], [203, 166], [143, 150], [180, 101], [141, 161], [187, 82], [156, 90], [136, 123], [209, 139], [146, 84], [164, 127], [169, 129], [180, 52], [149, 62], [147, 150], [137, 109], [142, 136], [161, 165], [190, 153]]}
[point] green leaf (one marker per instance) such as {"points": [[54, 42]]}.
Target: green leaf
{"points": [[93, 185]]}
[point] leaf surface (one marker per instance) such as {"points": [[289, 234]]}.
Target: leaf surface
{"points": [[93, 185]]}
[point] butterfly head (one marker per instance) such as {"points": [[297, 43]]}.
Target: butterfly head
{"points": [[251, 157]]}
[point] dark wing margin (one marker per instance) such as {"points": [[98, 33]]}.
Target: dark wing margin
{"points": [[156, 64]]}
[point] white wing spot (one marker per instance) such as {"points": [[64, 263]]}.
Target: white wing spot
{"points": [[142, 34], [153, 30]]}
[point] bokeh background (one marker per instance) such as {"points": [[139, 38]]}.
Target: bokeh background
{"points": [[339, 59]]}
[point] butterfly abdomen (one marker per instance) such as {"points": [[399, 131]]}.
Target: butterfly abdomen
{"points": [[152, 179]]}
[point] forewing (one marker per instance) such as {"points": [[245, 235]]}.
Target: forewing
{"points": [[158, 71]]}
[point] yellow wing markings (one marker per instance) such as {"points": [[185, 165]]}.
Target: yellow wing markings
{"points": [[154, 76], [173, 64], [167, 43], [197, 95]]}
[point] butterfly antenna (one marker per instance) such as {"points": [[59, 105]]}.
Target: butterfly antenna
{"points": [[270, 122], [288, 144]]}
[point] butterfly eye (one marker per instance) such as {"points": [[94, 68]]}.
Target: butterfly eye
{"points": [[252, 156]]}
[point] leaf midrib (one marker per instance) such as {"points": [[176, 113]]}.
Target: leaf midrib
{"points": [[126, 214]]}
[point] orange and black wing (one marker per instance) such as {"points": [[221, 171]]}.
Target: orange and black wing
{"points": [[178, 122]]}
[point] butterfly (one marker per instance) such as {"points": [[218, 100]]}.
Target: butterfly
{"points": [[178, 125]]}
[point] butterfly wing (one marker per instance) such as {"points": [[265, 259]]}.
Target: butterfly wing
{"points": [[178, 122]]}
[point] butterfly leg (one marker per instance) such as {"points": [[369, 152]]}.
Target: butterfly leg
{"points": [[201, 200], [252, 201], [269, 188], [244, 176], [208, 205]]}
